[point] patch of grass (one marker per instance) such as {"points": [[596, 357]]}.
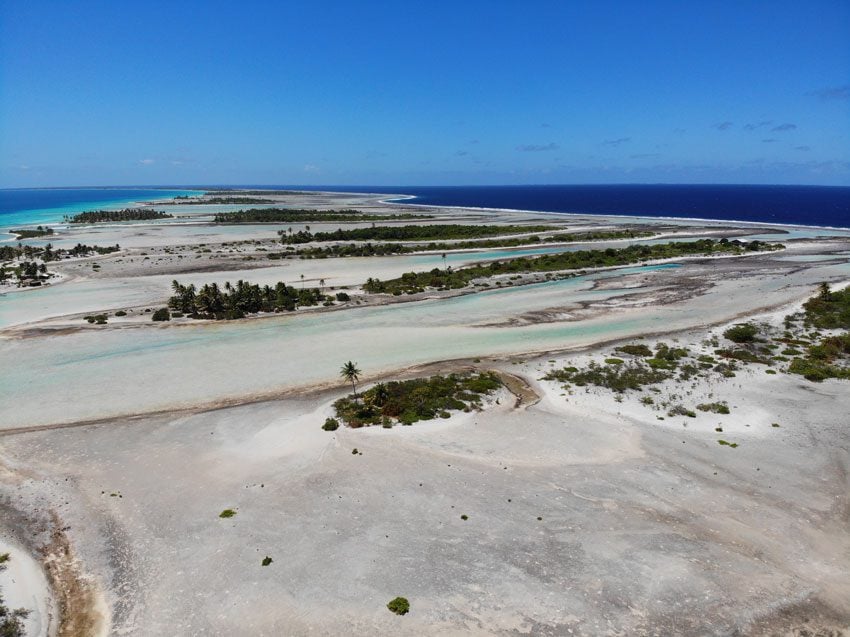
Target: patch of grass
{"points": [[727, 444], [331, 424], [464, 517], [614, 361], [266, 561], [227, 513]]}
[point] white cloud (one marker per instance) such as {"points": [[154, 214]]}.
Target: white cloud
{"points": [[310, 168], [146, 162]]}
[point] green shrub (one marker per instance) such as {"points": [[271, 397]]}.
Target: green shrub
{"points": [[227, 513], [680, 410], [121, 313], [267, 560], [162, 314], [635, 350], [399, 606], [742, 333], [331, 424], [716, 408]]}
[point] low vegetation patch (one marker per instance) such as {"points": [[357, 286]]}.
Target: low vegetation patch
{"points": [[227, 513], [409, 401], [825, 356], [742, 333], [399, 606], [635, 350], [632, 375], [715, 408]]}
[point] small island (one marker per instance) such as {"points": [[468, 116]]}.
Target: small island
{"points": [[127, 214]]}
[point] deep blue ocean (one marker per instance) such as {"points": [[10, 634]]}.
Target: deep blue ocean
{"points": [[798, 205]]}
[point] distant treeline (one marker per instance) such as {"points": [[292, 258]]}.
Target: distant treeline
{"points": [[413, 282], [127, 214], [260, 193], [344, 250], [411, 233], [237, 301], [31, 233], [222, 200], [384, 249], [300, 215], [566, 237]]}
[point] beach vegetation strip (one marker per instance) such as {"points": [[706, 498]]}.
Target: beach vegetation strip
{"points": [[409, 401], [433, 232], [300, 215], [445, 279], [370, 249]]}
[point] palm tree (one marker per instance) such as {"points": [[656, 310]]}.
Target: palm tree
{"points": [[302, 281], [444, 260], [350, 373], [321, 285]]}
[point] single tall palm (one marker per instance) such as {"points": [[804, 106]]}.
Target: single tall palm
{"points": [[350, 373]]}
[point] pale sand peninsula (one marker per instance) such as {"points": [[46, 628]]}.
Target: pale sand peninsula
{"points": [[585, 515]]}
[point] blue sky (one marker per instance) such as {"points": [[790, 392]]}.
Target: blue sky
{"points": [[417, 93]]}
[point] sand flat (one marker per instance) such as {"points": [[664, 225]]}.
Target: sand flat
{"points": [[124, 443]]}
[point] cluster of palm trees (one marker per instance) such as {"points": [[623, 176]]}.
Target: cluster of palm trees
{"points": [[235, 301]]}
